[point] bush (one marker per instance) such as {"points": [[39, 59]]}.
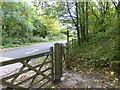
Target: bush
{"points": [[101, 49], [36, 39], [57, 37], [10, 41]]}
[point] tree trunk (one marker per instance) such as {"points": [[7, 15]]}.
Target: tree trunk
{"points": [[83, 24], [87, 21], [117, 7], [102, 9], [118, 29], [77, 24], [118, 15]]}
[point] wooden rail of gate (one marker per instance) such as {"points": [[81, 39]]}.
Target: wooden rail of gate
{"points": [[38, 70]]}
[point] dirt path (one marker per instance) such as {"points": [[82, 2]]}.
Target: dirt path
{"points": [[72, 79]]}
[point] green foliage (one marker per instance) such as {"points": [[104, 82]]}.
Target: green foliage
{"points": [[40, 28], [100, 50], [51, 25], [57, 37], [22, 23], [36, 39]]}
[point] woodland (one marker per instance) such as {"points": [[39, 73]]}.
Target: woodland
{"points": [[94, 26]]}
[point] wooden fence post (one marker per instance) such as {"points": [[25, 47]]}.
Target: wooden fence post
{"points": [[67, 50], [67, 56], [58, 61], [52, 64]]}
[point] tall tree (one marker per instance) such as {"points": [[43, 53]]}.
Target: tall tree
{"points": [[117, 7], [83, 20], [76, 22], [87, 21]]}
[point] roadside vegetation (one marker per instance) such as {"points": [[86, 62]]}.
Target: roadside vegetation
{"points": [[23, 24]]}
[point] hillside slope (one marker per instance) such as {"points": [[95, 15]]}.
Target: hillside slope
{"points": [[101, 51]]}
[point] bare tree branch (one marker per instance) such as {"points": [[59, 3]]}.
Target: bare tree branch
{"points": [[114, 4], [70, 14]]}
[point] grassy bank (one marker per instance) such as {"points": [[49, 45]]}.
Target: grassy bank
{"points": [[100, 52]]}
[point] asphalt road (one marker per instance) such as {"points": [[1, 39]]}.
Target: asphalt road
{"points": [[18, 52], [12, 53]]}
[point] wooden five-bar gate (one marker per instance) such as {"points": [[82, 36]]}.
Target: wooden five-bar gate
{"points": [[37, 70]]}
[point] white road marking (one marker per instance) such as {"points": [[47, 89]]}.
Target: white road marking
{"points": [[32, 51]]}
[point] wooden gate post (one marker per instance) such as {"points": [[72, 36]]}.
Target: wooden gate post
{"points": [[58, 61]]}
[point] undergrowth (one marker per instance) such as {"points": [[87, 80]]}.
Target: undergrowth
{"points": [[98, 52]]}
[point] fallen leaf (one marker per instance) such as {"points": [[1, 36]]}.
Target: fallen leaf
{"points": [[100, 86], [53, 87], [88, 86], [112, 73], [111, 84], [106, 72], [116, 79]]}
